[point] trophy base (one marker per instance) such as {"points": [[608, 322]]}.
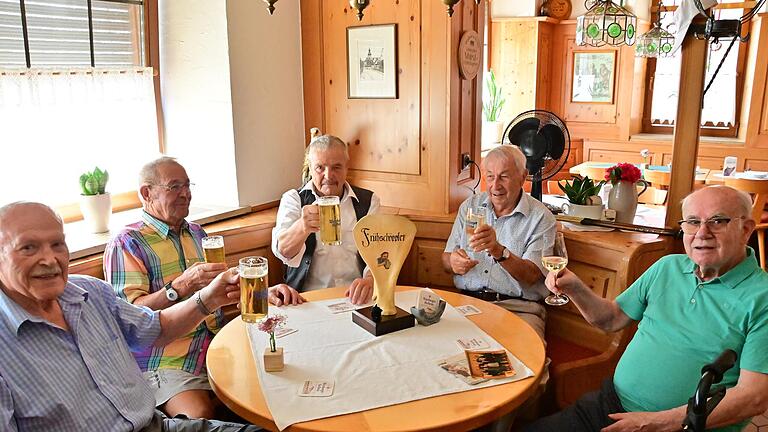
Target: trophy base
{"points": [[385, 324]]}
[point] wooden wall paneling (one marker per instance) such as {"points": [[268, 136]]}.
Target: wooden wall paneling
{"points": [[545, 31], [312, 65], [515, 65], [430, 271], [756, 165]]}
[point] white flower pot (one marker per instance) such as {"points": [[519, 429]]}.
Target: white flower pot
{"points": [[491, 133], [96, 211]]}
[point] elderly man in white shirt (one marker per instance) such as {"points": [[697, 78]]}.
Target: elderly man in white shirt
{"points": [[310, 264]]}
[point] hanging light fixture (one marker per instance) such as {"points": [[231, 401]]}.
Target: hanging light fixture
{"points": [[657, 42], [359, 5], [606, 23], [270, 6]]}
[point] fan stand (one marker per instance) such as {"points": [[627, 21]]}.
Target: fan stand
{"points": [[536, 184]]}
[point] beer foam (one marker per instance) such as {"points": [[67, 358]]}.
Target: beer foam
{"points": [[253, 272]]}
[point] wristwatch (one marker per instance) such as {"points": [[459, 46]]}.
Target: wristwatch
{"points": [[505, 254], [170, 293]]}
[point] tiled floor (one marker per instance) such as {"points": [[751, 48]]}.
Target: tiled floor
{"points": [[759, 424]]}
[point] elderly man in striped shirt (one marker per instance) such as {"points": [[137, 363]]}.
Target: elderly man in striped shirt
{"points": [[158, 262], [66, 363]]}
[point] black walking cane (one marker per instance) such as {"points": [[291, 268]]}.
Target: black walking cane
{"points": [[705, 399]]}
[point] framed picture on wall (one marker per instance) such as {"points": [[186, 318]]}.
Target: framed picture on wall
{"points": [[372, 62], [593, 76]]}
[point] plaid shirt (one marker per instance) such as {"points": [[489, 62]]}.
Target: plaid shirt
{"points": [[141, 260]]}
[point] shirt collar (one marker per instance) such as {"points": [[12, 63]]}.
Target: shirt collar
{"points": [[13, 316], [161, 227], [523, 205], [733, 277], [346, 192]]}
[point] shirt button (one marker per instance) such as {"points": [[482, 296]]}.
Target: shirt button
{"points": [[486, 271], [693, 301]]}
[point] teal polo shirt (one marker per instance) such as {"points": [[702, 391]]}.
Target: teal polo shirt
{"points": [[686, 323]]}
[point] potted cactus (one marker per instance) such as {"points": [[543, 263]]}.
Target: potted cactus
{"points": [[583, 198], [95, 202]]}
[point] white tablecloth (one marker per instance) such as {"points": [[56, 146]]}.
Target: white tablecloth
{"points": [[368, 372]]}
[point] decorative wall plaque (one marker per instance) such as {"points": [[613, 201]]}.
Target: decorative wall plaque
{"points": [[470, 54]]}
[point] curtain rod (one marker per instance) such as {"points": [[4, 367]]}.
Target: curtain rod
{"points": [[75, 72]]}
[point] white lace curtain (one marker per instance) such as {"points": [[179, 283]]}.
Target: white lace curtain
{"points": [[57, 124]]}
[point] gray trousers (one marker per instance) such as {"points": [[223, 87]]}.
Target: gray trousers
{"points": [[161, 423]]}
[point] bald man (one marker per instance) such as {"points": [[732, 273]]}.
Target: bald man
{"points": [[66, 362], [690, 308]]}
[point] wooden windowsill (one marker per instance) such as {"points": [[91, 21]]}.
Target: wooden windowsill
{"points": [[704, 139]]}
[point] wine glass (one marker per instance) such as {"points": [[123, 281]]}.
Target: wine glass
{"points": [[554, 263]]}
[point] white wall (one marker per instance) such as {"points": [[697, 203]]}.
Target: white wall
{"points": [[232, 97], [267, 97], [195, 89]]}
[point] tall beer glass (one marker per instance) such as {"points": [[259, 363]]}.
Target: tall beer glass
{"points": [[330, 220], [474, 219], [253, 288], [213, 249]]}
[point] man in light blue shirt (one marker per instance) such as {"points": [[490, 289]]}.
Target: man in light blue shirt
{"points": [[500, 260], [66, 363]]}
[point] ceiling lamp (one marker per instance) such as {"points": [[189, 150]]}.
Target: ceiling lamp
{"points": [[657, 42], [606, 23], [270, 6]]}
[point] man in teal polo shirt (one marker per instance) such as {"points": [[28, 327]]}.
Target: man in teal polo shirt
{"points": [[690, 308]]}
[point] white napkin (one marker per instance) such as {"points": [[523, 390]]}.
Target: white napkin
{"points": [[683, 16]]}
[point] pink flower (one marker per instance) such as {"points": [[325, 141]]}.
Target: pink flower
{"points": [[271, 323], [623, 171]]}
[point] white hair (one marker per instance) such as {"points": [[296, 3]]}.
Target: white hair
{"points": [[148, 175], [325, 142], [508, 153], [4, 210]]}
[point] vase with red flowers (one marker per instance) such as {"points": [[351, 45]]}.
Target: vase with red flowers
{"points": [[623, 196]]}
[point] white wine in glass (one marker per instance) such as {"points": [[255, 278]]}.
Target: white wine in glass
{"points": [[554, 263]]}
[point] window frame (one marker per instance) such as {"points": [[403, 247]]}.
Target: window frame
{"points": [[707, 129]]}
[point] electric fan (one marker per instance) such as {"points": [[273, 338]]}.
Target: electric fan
{"points": [[544, 140]]}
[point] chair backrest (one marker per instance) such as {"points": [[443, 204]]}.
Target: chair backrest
{"points": [[757, 188], [658, 179], [595, 173], [652, 195]]}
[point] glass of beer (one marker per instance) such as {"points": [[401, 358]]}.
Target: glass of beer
{"points": [[253, 288], [213, 249], [554, 263], [330, 220], [474, 218]]}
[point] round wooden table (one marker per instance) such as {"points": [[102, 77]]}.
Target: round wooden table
{"points": [[233, 376]]}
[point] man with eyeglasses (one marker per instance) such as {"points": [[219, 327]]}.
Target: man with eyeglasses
{"points": [[690, 308], [158, 262]]}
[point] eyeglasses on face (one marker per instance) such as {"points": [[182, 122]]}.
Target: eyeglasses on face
{"points": [[176, 187], [715, 225]]}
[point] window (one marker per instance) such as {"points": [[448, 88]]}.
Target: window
{"points": [[75, 93], [722, 103]]}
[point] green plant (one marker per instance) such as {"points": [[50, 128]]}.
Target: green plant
{"points": [[95, 182], [492, 108], [579, 190]]}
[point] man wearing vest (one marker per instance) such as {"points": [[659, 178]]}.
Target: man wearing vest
{"points": [[310, 264]]}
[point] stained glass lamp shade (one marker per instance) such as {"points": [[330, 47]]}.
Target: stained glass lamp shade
{"points": [[606, 23], [656, 43]]}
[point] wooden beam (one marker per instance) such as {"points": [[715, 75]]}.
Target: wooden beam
{"points": [[685, 141]]}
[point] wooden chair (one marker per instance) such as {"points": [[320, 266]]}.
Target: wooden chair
{"points": [[595, 173], [759, 191], [658, 179], [652, 195]]}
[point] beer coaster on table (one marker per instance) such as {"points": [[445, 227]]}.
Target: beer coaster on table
{"points": [[341, 307], [473, 343], [316, 389], [284, 331], [468, 310]]}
